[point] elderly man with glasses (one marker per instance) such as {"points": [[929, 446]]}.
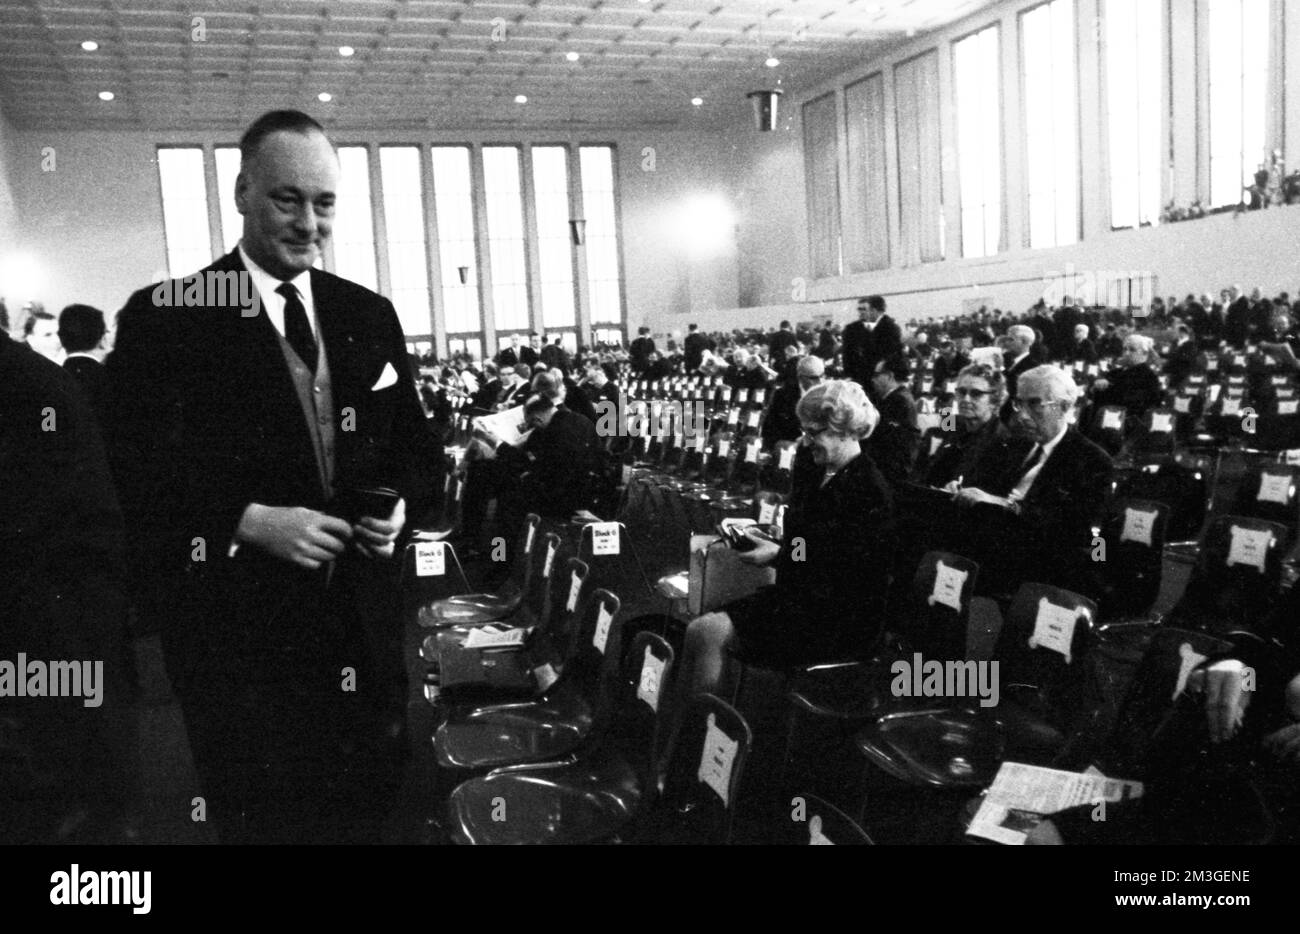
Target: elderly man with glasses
{"points": [[1039, 500]]}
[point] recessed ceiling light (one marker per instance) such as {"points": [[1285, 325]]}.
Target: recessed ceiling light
{"points": [[521, 99], [772, 62], [347, 51], [106, 95], [90, 45], [572, 56], [324, 97], [697, 101]]}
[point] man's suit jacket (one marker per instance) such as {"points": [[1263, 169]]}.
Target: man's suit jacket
{"points": [[506, 356], [93, 381], [555, 464], [1181, 361], [893, 444], [194, 444], [864, 347], [696, 344]]}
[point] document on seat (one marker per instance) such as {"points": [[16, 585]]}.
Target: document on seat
{"points": [[1022, 794], [505, 425], [489, 637]]}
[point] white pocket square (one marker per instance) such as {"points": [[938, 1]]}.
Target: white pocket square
{"points": [[386, 378]]}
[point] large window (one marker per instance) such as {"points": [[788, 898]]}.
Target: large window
{"points": [[232, 224], [920, 159], [408, 263], [1134, 56], [505, 230], [453, 195], [821, 157], [354, 227], [977, 90], [1238, 37], [866, 229], [1051, 117], [554, 256], [604, 280], [185, 209]]}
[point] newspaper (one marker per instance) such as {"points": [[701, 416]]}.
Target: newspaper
{"points": [[1022, 794], [505, 425]]}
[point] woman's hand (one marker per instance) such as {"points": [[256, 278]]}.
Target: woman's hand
{"points": [[762, 554]]}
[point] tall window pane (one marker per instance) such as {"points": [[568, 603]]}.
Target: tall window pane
{"points": [[185, 209], [505, 222], [979, 141], [866, 229], [232, 223], [1133, 80], [551, 191], [604, 282], [354, 227], [920, 167], [1239, 46], [454, 209], [821, 165], [408, 264], [1051, 123]]}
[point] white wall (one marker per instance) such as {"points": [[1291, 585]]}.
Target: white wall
{"points": [[772, 236], [8, 207], [94, 226]]}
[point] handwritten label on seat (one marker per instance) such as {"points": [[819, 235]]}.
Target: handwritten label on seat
{"points": [[551, 548], [1275, 488], [786, 460], [724, 448], [1231, 405], [575, 587], [430, 559], [948, 584], [1288, 407], [1249, 546], [1054, 628], [1293, 458], [766, 513], [604, 538], [733, 416], [1138, 526], [545, 675], [1161, 423], [754, 416], [759, 396], [652, 671], [1112, 418], [1183, 404], [751, 451], [601, 636], [815, 835], [936, 442], [528, 541], [717, 759], [1188, 659]]}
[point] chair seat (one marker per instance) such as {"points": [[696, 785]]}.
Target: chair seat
{"points": [[470, 608], [584, 802], [505, 734], [940, 748]]}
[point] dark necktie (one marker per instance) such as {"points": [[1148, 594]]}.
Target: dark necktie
{"points": [[1031, 462], [297, 329]]}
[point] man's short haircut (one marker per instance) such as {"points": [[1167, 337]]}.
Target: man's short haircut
{"points": [[545, 384], [81, 328], [692, 327], [40, 314], [811, 367], [897, 364], [1022, 332], [875, 302], [784, 325], [275, 121], [1059, 384], [538, 403]]}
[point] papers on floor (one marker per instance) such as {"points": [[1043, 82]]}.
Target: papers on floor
{"points": [[1021, 795]]}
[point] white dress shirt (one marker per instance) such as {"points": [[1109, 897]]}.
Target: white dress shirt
{"points": [[1021, 489], [272, 301]]}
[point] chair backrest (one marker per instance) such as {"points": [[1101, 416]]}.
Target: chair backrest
{"points": [[647, 679], [545, 565], [592, 669], [521, 567], [1047, 632], [430, 572], [1108, 428], [705, 769], [1183, 484], [570, 592], [1156, 436], [609, 552], [940, 607], [1272, 492], [1132, 565], [814, 821], [1237, 578]]}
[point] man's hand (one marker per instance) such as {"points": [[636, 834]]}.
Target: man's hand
{"points": [[375, 537], [1225, 701], [969, 496], [295, 534], [762, 554], [1285, 743]]}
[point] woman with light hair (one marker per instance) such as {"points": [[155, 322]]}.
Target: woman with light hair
{"points": [[1132, 382], [832, 558]]}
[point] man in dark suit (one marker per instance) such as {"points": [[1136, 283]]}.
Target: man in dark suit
{"points": [[68, 773], [779, 341], [243, 476], [1033, 518], [893, 445], [869, 340], [81, 331], [696, 344], [532, 353], [640, 351], [1182, 357]]}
